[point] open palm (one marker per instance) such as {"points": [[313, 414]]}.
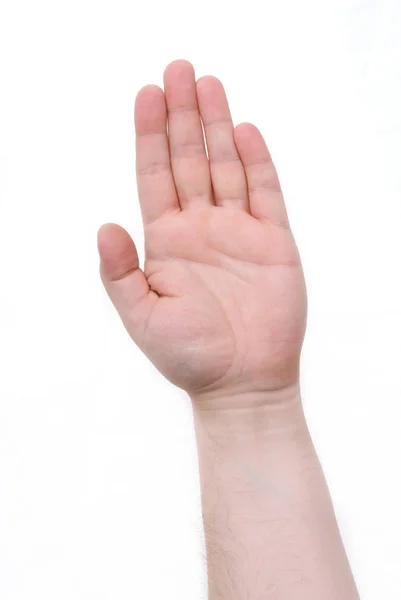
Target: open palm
{"points": [[220, 306]]}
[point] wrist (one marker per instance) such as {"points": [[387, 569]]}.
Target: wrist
{"points": [[247, 416]]}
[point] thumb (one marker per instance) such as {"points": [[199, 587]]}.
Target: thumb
{"points": [[124, 281]]}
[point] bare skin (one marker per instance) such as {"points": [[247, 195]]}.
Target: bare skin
{"points": [[220, 309]]}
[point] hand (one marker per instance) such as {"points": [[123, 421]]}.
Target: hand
{"points": [[220, 307]]}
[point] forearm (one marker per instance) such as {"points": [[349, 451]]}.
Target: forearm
{"points": [[269, 522]]}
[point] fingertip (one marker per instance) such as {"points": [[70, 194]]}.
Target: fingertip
{"points": [[177, 66], [246, 130], [211, 94], [208, 81], [119, 271], [117, 251], [149, 90], [251, 144], [149, 96], [150, 110], [106, 233]]}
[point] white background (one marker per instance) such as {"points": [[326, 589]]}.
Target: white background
{"points": [[99, 495]]}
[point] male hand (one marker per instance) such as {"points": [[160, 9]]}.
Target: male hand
{"points": [[220, 306]]}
